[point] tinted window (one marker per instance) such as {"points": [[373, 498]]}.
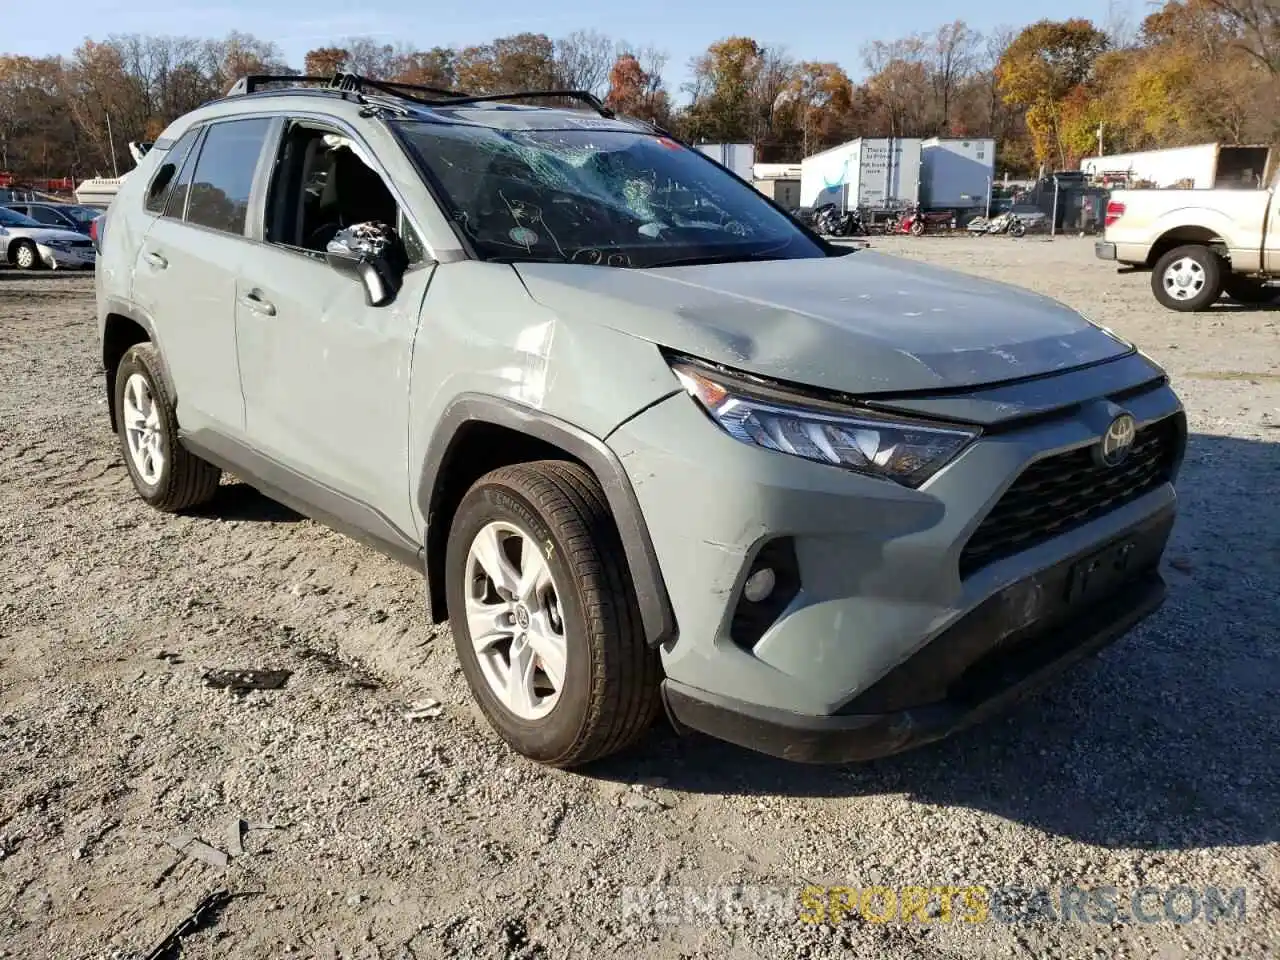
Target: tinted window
{"points": [[45, 215], [163, 181], [11, 218], [224, 174]]}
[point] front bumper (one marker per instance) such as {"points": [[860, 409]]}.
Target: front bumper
{"points": [[59, 258], [881, 580], [985, 662]]}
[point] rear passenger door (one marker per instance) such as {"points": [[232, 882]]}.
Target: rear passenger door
{"points": [[325, 376], [185, 274]]}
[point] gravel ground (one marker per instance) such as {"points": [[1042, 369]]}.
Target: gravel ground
{"points": [[371, 834]]}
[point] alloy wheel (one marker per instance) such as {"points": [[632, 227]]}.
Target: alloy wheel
{"points": [[513, 616]]}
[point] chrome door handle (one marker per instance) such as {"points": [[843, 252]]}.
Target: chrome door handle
{"points": [[259, 306], [157, 261]]}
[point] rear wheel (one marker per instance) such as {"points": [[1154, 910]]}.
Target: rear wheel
{"points": [[1187, 278], [544, 617], [165, 474], [1017, 229], [1248, 289], [917, 227], [26, 256]]}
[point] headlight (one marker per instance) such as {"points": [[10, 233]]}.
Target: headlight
{"points": [[888, 447]]}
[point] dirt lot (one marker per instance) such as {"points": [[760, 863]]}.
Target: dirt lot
{"points": [[1158, 764]]}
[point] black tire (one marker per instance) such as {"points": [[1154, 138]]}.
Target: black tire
{"points": [[26, 256], [184, 480], [1210, 267], [1017, 229], [1248, 289], [917, 227], [610, 694]]}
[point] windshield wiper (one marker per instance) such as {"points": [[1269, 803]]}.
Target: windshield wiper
{"points": [[523, 258], [712, 258]]}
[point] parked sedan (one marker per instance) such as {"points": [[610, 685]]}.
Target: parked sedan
{"points": [[30, 245], [64, 216]]}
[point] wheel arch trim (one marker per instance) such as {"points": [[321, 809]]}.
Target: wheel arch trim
{"points": [[115, 306], [656, 613]]}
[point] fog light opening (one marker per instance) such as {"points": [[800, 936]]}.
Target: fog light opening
{"points": [[759, 585]]}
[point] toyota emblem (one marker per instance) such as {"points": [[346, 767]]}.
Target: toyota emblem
{"points": [[1117, 441]]}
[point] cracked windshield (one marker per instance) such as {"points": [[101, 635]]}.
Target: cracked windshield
{"points": [[606, 198]]}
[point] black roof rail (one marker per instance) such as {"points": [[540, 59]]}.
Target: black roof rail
{"points": [[359, 84], [256, 81], [590, 99], [354, 83]]}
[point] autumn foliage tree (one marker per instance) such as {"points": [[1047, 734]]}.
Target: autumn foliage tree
{"points": [[637, 92], [1192, 71], [1048, 71]]}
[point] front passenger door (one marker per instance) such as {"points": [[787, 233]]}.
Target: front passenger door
{"points": [[325, 376]]}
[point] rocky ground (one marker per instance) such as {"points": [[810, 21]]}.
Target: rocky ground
{"points": [[357, 827]]}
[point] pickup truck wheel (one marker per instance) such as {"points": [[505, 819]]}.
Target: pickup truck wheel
{"points": [[1249, 290], [1187, 278], [544, 616], [165, 474]]}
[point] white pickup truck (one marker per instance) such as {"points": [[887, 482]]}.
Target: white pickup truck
{"points": [[1198, 244]]}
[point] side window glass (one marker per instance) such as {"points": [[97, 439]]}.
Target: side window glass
{"points": [[176, 205], [163, 181], [224, 174], [45, 215]]}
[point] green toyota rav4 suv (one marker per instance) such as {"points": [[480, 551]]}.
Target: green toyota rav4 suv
{"points": [[654, 444]]}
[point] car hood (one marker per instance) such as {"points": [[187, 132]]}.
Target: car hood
{"points": [[44, 234], [864, 323]]}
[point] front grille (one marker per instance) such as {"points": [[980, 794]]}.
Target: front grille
{"points": [[1062, 492]]}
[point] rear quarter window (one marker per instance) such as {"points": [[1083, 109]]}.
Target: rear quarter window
{"points": [[162, 183]]}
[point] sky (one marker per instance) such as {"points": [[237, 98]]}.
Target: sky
{"points": [[807, 29]]}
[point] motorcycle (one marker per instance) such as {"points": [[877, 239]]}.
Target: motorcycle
{"points": [[1014, 224], [831, 222], [917, 222]]}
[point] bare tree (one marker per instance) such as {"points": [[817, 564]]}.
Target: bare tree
{"points": [[952, 48], [583, 61]]}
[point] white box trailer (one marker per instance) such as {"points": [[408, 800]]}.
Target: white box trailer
{"points": [[878, 173], [738, 157], [956, 174]]}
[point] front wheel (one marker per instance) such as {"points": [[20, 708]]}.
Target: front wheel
{"points": [[544, 616], [1187, 278], [26, 256], [917, 228], [1017, 229]]}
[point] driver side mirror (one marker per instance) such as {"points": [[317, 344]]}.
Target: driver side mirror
{"points": [[373, 254]]}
